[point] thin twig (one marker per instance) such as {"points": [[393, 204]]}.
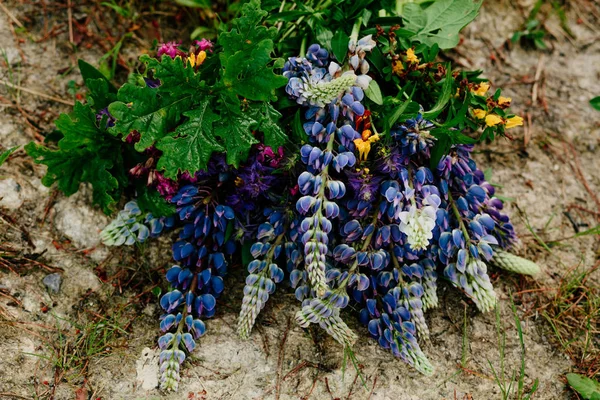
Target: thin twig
{"points": [[70, 17], [36, 93], [10, 15], [538, 73]]}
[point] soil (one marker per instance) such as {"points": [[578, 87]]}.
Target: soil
{"points": [[548, 175]]}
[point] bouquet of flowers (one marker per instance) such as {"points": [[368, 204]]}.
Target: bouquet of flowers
{"points": [[343, 171]]}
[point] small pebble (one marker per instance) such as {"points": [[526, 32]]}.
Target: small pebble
{"points": [[52, 282]]}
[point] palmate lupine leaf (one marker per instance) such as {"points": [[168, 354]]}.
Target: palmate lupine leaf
{"points": [[86, 153], [189, 148], [440, 22], [246, 56]]}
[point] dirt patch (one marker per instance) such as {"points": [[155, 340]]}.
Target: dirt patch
{"points": [[543, 173]]}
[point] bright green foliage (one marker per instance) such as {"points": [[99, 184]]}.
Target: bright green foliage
{"points": [[189, 148], [246, 55], [185, 122], [142, 109], [588, 388], [86, 153], [176, 79], [440, 22]]}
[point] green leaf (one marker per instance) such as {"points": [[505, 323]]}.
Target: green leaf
{"points": [[142, 109], [246, 56], [88, 72], [86, 153], [440, 22], [444, 97], [175, 76], [595, 103], [405, 110], [234, 129], [373, 92], [5, 154], [189, 148], [100, 94], [151, 201], [339, 45], [268, 117], [586, 387]]}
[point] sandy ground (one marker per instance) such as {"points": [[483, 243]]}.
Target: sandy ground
{"points": [[538, 173]]}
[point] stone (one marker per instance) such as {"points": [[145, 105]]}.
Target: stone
{"points": [[52, 282]]}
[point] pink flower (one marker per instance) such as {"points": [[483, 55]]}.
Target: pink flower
{"points": [[171, 49], [204, 45]]}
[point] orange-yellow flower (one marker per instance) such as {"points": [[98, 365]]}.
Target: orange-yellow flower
{"points": [[397, 67], [514, 121], [479, 113], [411, 57], [482, 90], [197, 59], [363, 144], [492, 120], [504, 101]]}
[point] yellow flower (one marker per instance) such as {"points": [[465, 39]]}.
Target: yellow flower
{"points": [[197, 59], [479, 113], [504, 101], [482, 90], [397, 67], [492, 119], [410, 56], [514, 121], [363, 144]]}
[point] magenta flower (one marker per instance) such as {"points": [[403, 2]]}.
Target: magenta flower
{"points": [[204, 45], [171, 49]]}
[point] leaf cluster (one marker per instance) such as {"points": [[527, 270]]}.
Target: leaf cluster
{"points": [[216, 107], [86, 152]]}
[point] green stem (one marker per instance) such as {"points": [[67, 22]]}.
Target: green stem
{"points": [[461, 223], [303, 46], [355, 30]]}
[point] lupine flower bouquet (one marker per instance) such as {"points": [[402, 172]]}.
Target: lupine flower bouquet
{"points": [[342, 171]]}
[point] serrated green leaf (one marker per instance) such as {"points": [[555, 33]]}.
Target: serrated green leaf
{"points": [[595, 103], [175, 77], [586, 387], [268, 117], [246, 56], [5, 154], [86, 153], [234, 129], [440, 22], [373, 92], [339, 45], [142, 109], [189, 148]]}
